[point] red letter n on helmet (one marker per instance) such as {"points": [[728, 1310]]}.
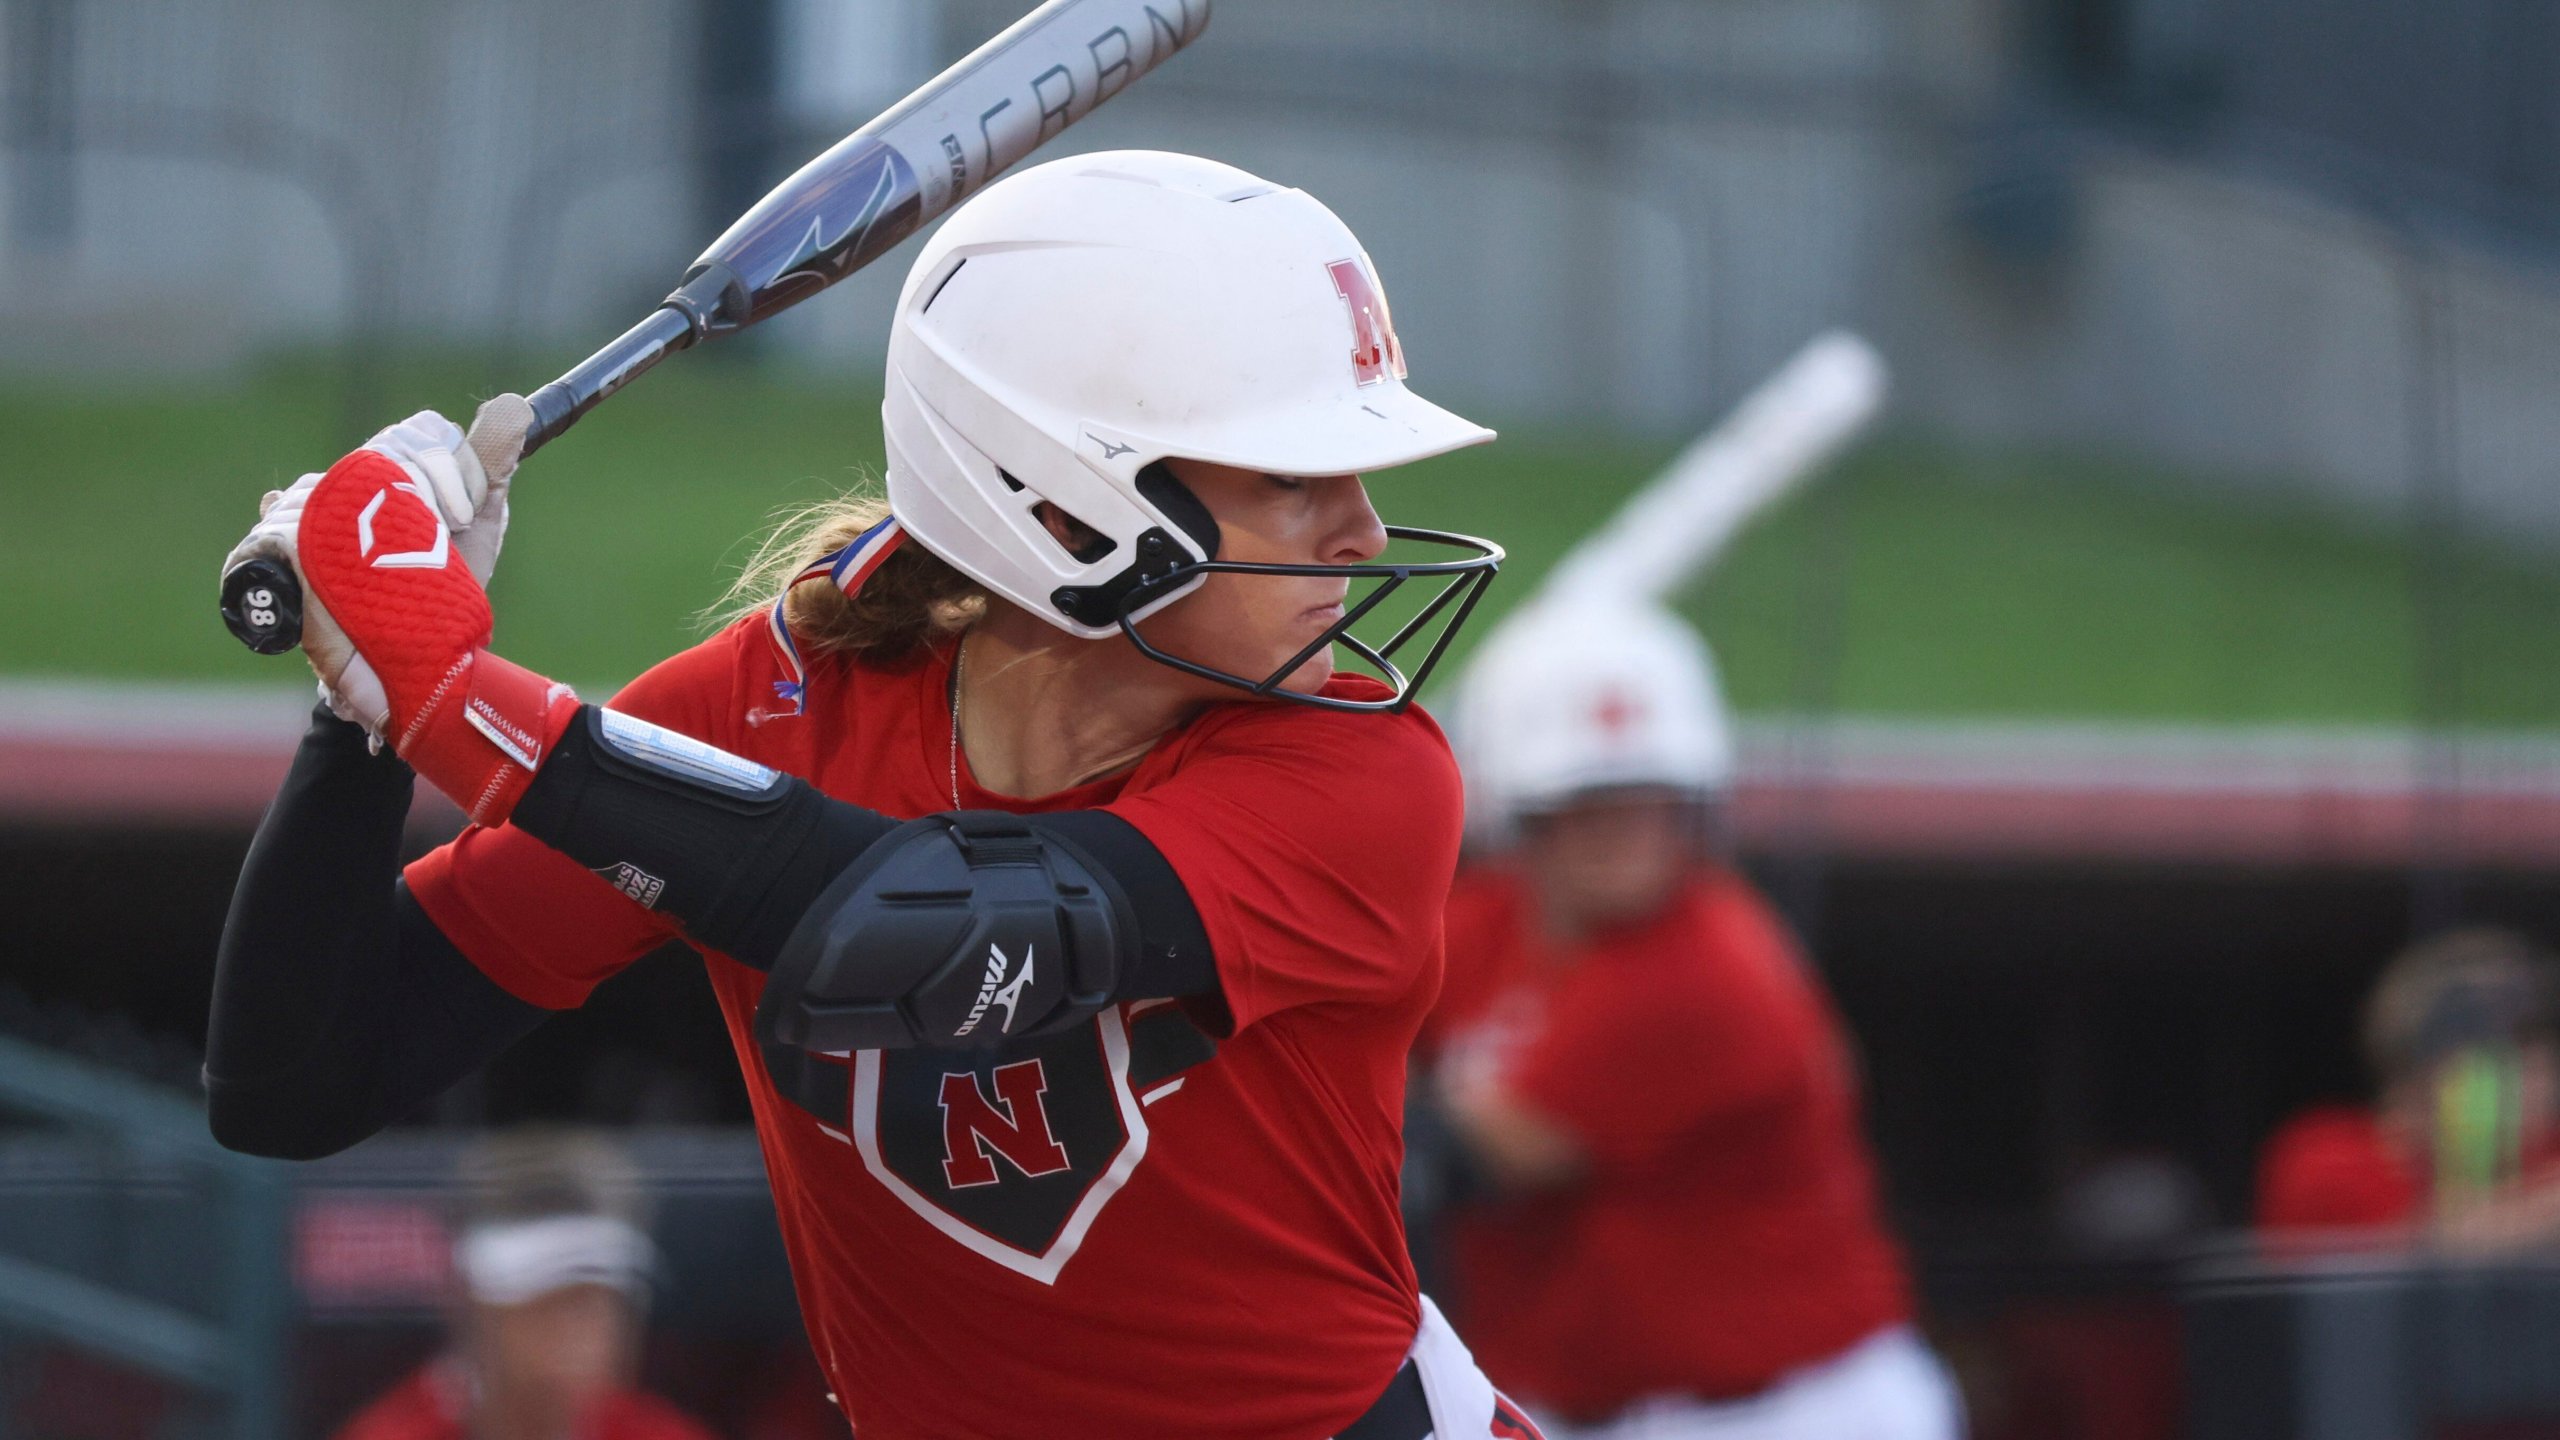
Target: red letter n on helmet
{"points": [[1374, 350]]}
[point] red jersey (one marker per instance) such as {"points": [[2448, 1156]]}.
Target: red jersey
{"points": [[2331, 1167], [1726, 1231], [2338, 1168], [434, 1404], [1178, 1219]]}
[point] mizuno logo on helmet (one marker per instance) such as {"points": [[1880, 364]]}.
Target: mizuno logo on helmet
{"points": [[1109, 450], [994, 991]]}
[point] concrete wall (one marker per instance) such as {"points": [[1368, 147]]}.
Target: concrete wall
{"points": [[2248, 329], [245, 173]]}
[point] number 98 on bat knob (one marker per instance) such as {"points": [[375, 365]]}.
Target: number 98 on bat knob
{"points": [[262, 605]]}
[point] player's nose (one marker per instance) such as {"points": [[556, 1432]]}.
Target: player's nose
{"points": [[1353, 532]]}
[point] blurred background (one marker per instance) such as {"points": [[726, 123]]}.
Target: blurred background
{"points": [[2176, 649]]}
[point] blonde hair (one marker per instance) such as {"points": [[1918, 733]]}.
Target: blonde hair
{"points": [[913, 599]]}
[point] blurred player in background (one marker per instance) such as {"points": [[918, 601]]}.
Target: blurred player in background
{"points": [[1680, 1235], [551, 1265], [2462, 1034]]}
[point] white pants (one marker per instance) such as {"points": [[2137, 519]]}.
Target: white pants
{"points": [[1460, 1397], [1886, 1387]]}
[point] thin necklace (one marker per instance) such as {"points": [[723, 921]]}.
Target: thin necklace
{"points": [[959, 668]]}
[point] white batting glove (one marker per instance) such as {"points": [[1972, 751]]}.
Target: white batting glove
{"points": [[469, 484], [466, 478]]}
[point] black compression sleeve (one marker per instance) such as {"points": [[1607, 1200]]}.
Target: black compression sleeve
{"points": [[736, 853], [338, 1006]]}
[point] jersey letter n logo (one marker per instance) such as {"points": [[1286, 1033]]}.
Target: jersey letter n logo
{"points": [[1374, 350], [971, 1124], [1051, 1116]]}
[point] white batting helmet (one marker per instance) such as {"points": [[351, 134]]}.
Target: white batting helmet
{"points": [[1573, 694], [1082, 320]]}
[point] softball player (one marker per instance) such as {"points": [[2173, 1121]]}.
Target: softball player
{"points": [[1682, 1235], [1080, 1093], [552, 1271], [2462, 1148]]}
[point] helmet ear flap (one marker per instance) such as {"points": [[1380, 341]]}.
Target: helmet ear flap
{"points": [[1158, 486], [1158, 553], [1093, 544]]}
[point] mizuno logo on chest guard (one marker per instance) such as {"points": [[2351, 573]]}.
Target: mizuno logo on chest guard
{"points": [[941, 924], [994, 991]]}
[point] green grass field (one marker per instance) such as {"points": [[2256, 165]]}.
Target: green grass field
{"points": [[1920, 580]]}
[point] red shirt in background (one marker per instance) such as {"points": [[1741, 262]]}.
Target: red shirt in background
{"points": [[434, 1404], [1172, 1220], [2333, 1167], [1727, 1230]]}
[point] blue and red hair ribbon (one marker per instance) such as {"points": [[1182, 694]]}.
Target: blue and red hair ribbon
{"points": [[846, 569]]}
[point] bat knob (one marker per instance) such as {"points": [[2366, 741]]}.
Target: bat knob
{"points": [[262, 604]]}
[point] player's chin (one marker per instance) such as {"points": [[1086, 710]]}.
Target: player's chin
{"points": [[1311, 677], [1310, 626]]}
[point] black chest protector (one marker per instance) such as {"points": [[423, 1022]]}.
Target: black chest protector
{"points": [[968, 928]]}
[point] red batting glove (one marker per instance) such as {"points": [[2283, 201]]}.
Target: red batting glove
{"points": [[375, 551]]}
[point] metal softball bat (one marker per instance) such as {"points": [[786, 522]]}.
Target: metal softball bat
{"points": [[836, 214]]}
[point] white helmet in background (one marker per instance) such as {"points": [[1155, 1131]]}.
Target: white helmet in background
{"points": [[1080, 321], [1574, 694]]}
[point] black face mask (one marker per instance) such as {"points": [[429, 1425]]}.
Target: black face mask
{"points": [[1164, 564], [1463, 582]]}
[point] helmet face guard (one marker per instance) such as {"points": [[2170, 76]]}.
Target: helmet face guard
{"points": [[1463, 583], [1075, 325]]}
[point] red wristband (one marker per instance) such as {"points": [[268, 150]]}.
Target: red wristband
{"points": [[374, 548]]}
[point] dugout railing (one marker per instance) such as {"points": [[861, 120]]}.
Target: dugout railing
{"points": [[2373, 1346], [197, 1295]]}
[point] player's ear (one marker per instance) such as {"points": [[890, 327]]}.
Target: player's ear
{"points": [[1073, 535]]}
